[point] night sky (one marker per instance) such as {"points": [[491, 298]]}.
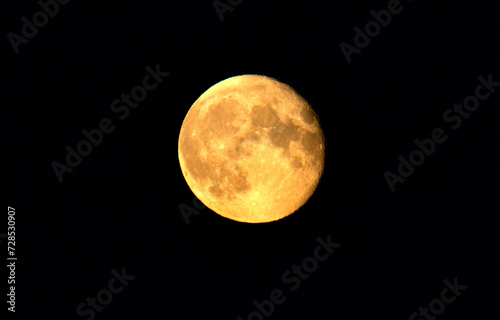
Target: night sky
{"points": [[404, 237]]}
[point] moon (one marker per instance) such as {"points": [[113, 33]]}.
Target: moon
{"points": [[252, 149]]}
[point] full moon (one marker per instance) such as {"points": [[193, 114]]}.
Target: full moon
{"points": [[252, 149]]}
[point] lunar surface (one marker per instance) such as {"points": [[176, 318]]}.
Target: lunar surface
{"points": [[252, 149]]}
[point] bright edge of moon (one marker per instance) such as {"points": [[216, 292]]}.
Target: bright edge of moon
{"points": [[252, 149]]}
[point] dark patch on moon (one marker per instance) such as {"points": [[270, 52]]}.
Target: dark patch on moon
{"points": [[215, 190], [312, 143], [252, 135], [308, 116], [218, 118], [239, 149], [238, 180], [281, 134], [226, 180], [263, 116], [297, 162]]}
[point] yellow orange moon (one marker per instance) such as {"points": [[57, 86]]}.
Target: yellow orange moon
{"points": [[252, 149]]}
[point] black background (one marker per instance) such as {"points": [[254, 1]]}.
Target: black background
{"points": [[119, 207]]}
